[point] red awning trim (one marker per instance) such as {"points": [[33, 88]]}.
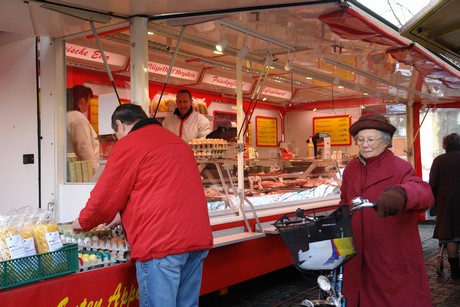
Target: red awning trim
{"points": [[350, 24], [426, 65]]}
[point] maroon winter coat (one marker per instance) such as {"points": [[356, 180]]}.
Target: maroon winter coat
{"points": [[388, 269], [445, 183]]}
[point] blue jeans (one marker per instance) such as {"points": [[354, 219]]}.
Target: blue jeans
{"points": [[171, 281]]}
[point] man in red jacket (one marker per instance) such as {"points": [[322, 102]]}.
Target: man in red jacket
{"points": [[388, 269], [152, 179]]}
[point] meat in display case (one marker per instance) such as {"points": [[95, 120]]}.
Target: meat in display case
{"points": [[294, 180], [270, 182]]}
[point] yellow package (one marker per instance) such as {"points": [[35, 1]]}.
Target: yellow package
{"points": [[40, 232], [6, 233]]}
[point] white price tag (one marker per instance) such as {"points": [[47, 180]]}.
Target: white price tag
{"points": [[54, 240], [29, 247], [16, 246]]}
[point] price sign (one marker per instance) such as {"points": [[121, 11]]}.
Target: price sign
{"points": [[266, 131], [336, 126]]}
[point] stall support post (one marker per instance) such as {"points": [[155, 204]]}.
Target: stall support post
{"points": [[239, 122], [139, 73]]}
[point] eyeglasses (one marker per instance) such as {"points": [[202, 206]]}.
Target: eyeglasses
{"points": [[370, 142]]}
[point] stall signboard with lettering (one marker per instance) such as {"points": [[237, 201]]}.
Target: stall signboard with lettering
{"points": [[336, 126], [94, 55], [225, 82], [266, 131], [274, 92], [177, 72]]}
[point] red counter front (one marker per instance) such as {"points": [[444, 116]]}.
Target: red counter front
{"points": [[111, 286], [116, 285]]}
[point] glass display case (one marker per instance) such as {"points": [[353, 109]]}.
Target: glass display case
{"points": [[269, 182], [275, 182]]}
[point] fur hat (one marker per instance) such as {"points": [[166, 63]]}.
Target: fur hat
{"points": [[372, 121]]}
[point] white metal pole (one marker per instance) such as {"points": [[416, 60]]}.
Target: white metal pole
{"points": [[138, 50], [239, 123]]}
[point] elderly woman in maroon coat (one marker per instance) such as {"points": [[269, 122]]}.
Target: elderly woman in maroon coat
{"points": [[445, 183], [388, 269]]}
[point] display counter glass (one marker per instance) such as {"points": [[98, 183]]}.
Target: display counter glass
{"points": [[269, 182]]}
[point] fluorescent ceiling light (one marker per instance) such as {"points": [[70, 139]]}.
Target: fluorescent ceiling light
{"points": [[243, 52], [222, 45]]}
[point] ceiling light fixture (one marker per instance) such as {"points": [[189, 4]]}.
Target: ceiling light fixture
{"points": [[222, 44], [245, 50], [269, 60]]}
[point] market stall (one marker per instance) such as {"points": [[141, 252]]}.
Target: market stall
{"points": [[308, 70]]}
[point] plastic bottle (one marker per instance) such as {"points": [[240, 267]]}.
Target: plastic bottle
{"points": [[310, 149]]}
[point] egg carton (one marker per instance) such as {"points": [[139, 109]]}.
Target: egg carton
{"points": [[99, 259], [94, 243], [202, 154], [209, 146], [84, 266]]}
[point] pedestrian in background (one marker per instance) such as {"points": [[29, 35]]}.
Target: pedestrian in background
{"points": [[152, 179], [388, 268], [445, 184]]}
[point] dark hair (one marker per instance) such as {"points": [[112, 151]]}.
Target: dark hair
{"points": [[185, 91], [451, 142], [128, 113], [74, 94]]}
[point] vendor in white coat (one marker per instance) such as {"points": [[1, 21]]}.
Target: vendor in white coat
{"points": [[184, 121], [81, 137]]}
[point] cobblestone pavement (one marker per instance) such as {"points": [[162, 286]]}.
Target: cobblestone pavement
{"points": [[287, 287]]}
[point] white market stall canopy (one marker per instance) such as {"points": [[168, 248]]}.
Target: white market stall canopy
{"points": [[320, 52]]}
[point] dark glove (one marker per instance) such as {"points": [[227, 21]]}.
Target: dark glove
{"points": [[391, 202]]}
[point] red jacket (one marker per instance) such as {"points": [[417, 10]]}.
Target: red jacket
{"points": [[152, 178], [388, 269]]}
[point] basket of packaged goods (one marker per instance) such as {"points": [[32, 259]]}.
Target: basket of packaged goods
{"points": [[31, 248], [208, 148], [25, 270]]}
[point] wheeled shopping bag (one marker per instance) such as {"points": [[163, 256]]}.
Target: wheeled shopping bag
{"points": [[318, 242]]}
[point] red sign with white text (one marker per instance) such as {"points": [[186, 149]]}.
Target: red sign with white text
{"points": [[94, 55], [225, 82], [181, 73], [114, 286]]}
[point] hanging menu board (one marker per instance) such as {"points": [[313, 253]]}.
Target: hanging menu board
{"points": [[336, 126], [266, 131]]}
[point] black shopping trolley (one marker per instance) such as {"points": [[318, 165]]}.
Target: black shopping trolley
{"points": [[322, 243]]}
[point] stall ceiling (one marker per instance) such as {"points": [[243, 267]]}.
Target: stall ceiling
{"points": [[318, 51]]}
